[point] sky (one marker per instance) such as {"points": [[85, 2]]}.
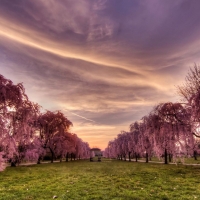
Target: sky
{"points": [[103, 63]]}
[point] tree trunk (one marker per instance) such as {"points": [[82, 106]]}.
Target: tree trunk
{"points": [[71, 156], [39, 160], [195, 154], [67, 157], [13, 164], [170, 157], [52, 155], [129, 156], [136, 157], [74, 156], [147, 157], [166, 156]]}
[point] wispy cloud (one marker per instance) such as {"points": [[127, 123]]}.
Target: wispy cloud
{"points": [[107, 62], [80, 116]]}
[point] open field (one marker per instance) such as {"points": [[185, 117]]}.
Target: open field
{"points": [[105, 180]]}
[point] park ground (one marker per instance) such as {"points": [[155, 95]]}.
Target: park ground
{"points": [[109, 179]]}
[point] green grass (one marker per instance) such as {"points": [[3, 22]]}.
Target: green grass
{"points": [[84, 180], [191, 161], [178, 160], [153, 159]]}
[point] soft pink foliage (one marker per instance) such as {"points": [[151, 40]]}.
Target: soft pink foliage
{"points": [[82, 149], [166, 130], [2, 162], [53, 132], [190, 93], [54, 135], [25, 133], [17, 115], [172, 130]]}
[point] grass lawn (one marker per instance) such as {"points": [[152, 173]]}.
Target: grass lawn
{"points": [[179, 160], [100, 180]]}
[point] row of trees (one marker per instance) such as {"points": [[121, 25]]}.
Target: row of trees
{"points": [[170, 130], [26, 133]]}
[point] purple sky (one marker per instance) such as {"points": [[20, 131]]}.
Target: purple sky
{"points": [[103, 63]]}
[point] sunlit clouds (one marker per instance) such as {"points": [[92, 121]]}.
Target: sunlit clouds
{"points": [[103, 63]]}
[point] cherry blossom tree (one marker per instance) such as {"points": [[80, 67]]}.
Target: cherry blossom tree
{"points": [[53, 127], [82, 149], [147, 141], [2, 162], [171, 130], [85, 150], [136, 138], [16, 120], [111, 150], [190, 93], [122, 141], [11, 97], [22, 131], [63, 144], [119, 146], [191, 85]]}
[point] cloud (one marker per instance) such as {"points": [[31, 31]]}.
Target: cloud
{"points": [[106, 61], [81, 116]]}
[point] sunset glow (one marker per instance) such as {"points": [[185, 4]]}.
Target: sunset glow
{"points": [[103, 63]]}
